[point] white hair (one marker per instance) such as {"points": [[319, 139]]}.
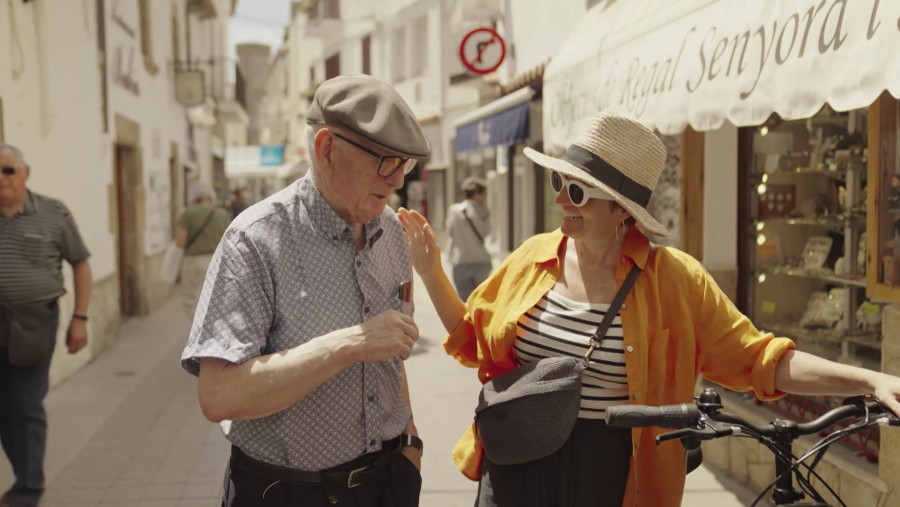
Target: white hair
{"points": [[201, 190], [17, 152], [311, 131]]}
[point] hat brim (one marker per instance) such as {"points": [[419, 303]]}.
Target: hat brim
{"points": [[640, 214]]}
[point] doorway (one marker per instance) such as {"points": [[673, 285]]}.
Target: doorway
{"points": [[128, 240]]}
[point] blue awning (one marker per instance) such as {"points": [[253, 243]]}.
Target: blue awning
{"points": [[503, 122]]}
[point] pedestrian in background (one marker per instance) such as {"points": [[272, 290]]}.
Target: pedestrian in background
{"points": [[468, 224], [238, 204], [200, 229], [306, 318], [36, 234]]}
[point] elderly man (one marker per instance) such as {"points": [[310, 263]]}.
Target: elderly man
{"points": [[306, 316], [36, 234]]}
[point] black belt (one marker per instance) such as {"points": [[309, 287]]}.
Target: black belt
{"points": [[349, 478]]}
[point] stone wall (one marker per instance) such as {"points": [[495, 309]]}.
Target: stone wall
{"points": [[155, 290], [889, 455], [751, 464]]}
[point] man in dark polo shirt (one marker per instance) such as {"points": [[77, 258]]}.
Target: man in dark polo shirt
{"points": [[36, 234]]}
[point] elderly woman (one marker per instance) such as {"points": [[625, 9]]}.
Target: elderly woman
{"points": [[199, 231], [548, 298]]}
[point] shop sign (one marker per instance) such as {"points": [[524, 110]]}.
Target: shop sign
{"points": [[700, 62], [271, 155], [190, 87]]}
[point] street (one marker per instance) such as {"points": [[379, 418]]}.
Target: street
{"points": [[127, 430]]}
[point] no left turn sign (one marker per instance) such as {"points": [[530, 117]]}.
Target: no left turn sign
{"points": [[482, 51]]}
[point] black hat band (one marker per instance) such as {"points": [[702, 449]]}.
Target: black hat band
{"points": [[609, 175]]}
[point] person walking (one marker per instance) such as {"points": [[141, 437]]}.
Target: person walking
{"points": [[553, 294], [306, 317], [199, 231], [238, 203], [36, 234], [468, 224]]}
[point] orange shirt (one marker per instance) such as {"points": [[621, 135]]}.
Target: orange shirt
{"points": [[677, 325]]}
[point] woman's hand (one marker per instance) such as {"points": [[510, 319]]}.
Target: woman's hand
{"points": [[887, 389], [424, 253]]}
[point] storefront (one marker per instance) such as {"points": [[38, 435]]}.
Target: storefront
{"points": [[489, 144], [787, 117]]}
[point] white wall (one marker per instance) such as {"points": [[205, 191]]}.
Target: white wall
{"points": [[540, 28], [720, 198]]}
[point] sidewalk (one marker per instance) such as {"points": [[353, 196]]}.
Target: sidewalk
{"points": [[127, 431]]}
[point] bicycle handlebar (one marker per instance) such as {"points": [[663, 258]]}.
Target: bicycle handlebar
{"points": [[642, 416], [687, 416]]}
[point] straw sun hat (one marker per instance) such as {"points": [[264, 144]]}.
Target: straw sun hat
{"points": [[619, 156]]}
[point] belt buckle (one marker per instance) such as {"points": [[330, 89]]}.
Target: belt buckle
{"points": [[350, 484]]}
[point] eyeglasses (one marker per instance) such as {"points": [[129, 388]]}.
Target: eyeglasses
{"points": [[387, 165], [579, 193], [8, 170]]}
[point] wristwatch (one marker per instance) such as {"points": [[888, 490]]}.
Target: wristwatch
{"points": [[80, 317], [412, 441]]}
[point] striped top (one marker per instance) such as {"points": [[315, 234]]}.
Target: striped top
{"points": [[33, 244], [557, 326]]}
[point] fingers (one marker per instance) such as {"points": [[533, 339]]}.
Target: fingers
{"points": [[410, 330], [890, 399]]}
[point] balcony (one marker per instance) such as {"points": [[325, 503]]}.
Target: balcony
{"points": [[324, 18]]}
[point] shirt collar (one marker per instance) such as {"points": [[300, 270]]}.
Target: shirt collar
{"points": [[636, 247], [323, 216], [31, 204]]}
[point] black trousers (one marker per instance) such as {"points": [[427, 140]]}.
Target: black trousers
{"points": [[590, 470], [398, 485]]}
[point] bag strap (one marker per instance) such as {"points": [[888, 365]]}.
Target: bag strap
{"points": [[201, 229], [614, 307], [474, 229]]}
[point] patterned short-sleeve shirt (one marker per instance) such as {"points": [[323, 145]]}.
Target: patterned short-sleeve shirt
{"points": [[288, 271]]}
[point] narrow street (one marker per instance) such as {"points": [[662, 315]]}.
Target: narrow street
{"points": [[127, 431]]}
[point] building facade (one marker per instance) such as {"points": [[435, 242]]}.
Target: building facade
{"points": [[91, 96]]}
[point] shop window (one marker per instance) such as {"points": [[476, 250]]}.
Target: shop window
{"points": [[807, 217], [883, 268], [419, 63], [147, 37]]}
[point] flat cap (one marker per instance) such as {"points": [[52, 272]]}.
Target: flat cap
{"points": [[372, 109]]}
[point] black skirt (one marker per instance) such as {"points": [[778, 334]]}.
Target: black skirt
{"points": [[590, 470]]}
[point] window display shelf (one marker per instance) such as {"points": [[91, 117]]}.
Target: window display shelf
{"points": [[823, 336], [836, 222], [827, 277]]}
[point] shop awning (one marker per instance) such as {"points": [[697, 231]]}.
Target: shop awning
{"points": [[670, 63], [503, 122]]}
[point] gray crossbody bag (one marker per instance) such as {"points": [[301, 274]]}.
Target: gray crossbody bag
{"points": [[529, 413]]}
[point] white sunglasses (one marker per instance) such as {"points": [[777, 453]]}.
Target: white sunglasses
{"points": [[579, 192]]}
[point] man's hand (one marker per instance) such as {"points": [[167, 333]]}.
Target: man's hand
{"points": [[389, 335], [76, 338], [414, 456]]}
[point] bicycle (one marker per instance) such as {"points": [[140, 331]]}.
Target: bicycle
{"points": [[704, 420]]}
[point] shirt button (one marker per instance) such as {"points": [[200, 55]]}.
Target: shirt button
{"points": [[334, 238], [629, 348], [624, 306], [358, 263], [634, 396], [372, 442], [371, 399], [366, 309], [622, 259]]}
